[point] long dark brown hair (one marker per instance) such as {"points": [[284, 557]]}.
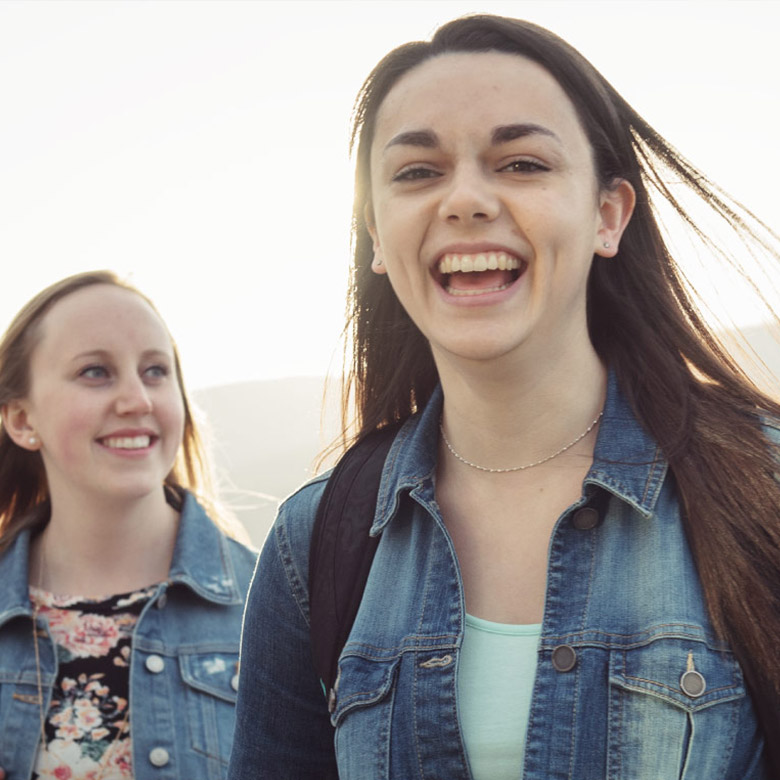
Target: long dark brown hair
{"points": [[24, 493], [684, 387]]}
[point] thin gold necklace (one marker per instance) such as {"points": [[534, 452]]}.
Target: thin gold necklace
{"points": [[103, 764], [525, 465]]}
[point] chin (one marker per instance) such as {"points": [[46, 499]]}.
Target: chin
{"points": [[484, 349], [130, 492]]}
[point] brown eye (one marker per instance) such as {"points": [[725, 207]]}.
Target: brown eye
{"points": [[524, 166], [413, 174]]}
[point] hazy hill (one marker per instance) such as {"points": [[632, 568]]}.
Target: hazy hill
{"points": [[267, 436]]}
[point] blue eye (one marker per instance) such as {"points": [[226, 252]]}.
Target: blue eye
{"points": [[156, 372], [94, 372]]}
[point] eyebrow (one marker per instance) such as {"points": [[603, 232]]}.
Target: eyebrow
{"points": [[504, 133], [105, 354], [427, 139]]}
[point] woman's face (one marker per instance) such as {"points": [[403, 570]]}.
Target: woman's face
{"points": [[486, 210], [105, 406]]}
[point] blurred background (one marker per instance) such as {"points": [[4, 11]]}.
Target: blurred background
{"points": [[201, 149]]}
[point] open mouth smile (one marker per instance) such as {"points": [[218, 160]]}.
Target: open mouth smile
{"points": [[127, 442], [479, 273]]}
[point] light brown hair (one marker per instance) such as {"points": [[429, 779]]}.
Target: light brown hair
{"points": [[24, 495]]}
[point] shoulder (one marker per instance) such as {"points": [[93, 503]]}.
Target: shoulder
{"points": [[295, 520], [282, 571], [200, 538]]}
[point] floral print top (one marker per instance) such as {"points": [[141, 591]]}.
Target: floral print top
{"points": [[87, 729]]}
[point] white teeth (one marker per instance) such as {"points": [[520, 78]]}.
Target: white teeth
{"points": [[483, 261], [128, 442]]}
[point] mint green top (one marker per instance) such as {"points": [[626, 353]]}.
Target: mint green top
{"points": [[495, 682]]}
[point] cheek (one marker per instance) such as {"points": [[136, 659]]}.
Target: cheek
{"points": [[68, 423], [401, 226], [170, 412]]}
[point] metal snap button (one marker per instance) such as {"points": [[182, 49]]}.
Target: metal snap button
{"points": [[585, 519], [159, 756], [693, 684], [564, 658], [155, 664], [234, 682], [162, 601]]}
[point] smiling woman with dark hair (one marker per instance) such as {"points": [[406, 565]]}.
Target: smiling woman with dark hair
{"points": [[578, 537]]}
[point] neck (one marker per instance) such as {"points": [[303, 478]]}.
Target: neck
{"points": [[97, 549], [506, 413]]}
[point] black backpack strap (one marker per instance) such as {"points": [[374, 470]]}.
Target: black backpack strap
{"points": [[341, 550]]}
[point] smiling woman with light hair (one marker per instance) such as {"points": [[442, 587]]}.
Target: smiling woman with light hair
{"points": [[121, 605], [577, 520]]}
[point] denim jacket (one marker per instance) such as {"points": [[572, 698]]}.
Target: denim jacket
{"points": [[183, 667], [631, 683]]}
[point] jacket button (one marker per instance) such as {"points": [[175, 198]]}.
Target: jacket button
{"points": [[162, 601], [693, 684], [159, 756], [564, 658], [585, 519], [234, 682], [155, 664]]}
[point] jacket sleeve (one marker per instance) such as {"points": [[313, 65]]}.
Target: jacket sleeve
{"points": [[283, 731]]}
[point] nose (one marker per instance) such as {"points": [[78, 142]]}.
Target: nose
{"points": [[469, 197], [133, 397]]}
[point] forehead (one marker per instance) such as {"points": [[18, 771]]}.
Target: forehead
{"points": [[475, 91], [101, 316]]}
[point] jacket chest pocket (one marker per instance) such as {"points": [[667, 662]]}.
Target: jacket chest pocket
{"points": [[676, 709], [210, 683], [362, 717]]}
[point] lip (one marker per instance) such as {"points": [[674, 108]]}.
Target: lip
{"points": [[469, 248]]}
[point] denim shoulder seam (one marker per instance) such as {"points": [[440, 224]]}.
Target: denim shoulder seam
{"points": [[297, 583]]}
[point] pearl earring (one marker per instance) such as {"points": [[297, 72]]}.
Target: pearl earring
{"points": [[606, 245], [32, 441]]}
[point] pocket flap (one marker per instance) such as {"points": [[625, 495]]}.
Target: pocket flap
{"points": [[689, 674], [362, 682], [214, 673]]}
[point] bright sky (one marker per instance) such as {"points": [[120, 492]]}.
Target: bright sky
{"points": [[201, 147]]}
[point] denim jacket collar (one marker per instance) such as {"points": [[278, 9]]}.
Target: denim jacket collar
{"points": [[200, 558], [14, 595], [200, 561], [626, 462]]}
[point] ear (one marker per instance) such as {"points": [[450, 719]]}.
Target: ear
{"points": [[616, 205], [17, 425], [378, 263]]}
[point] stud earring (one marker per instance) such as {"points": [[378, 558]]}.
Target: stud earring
{"points": [[606, 245], [32, 441]]}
